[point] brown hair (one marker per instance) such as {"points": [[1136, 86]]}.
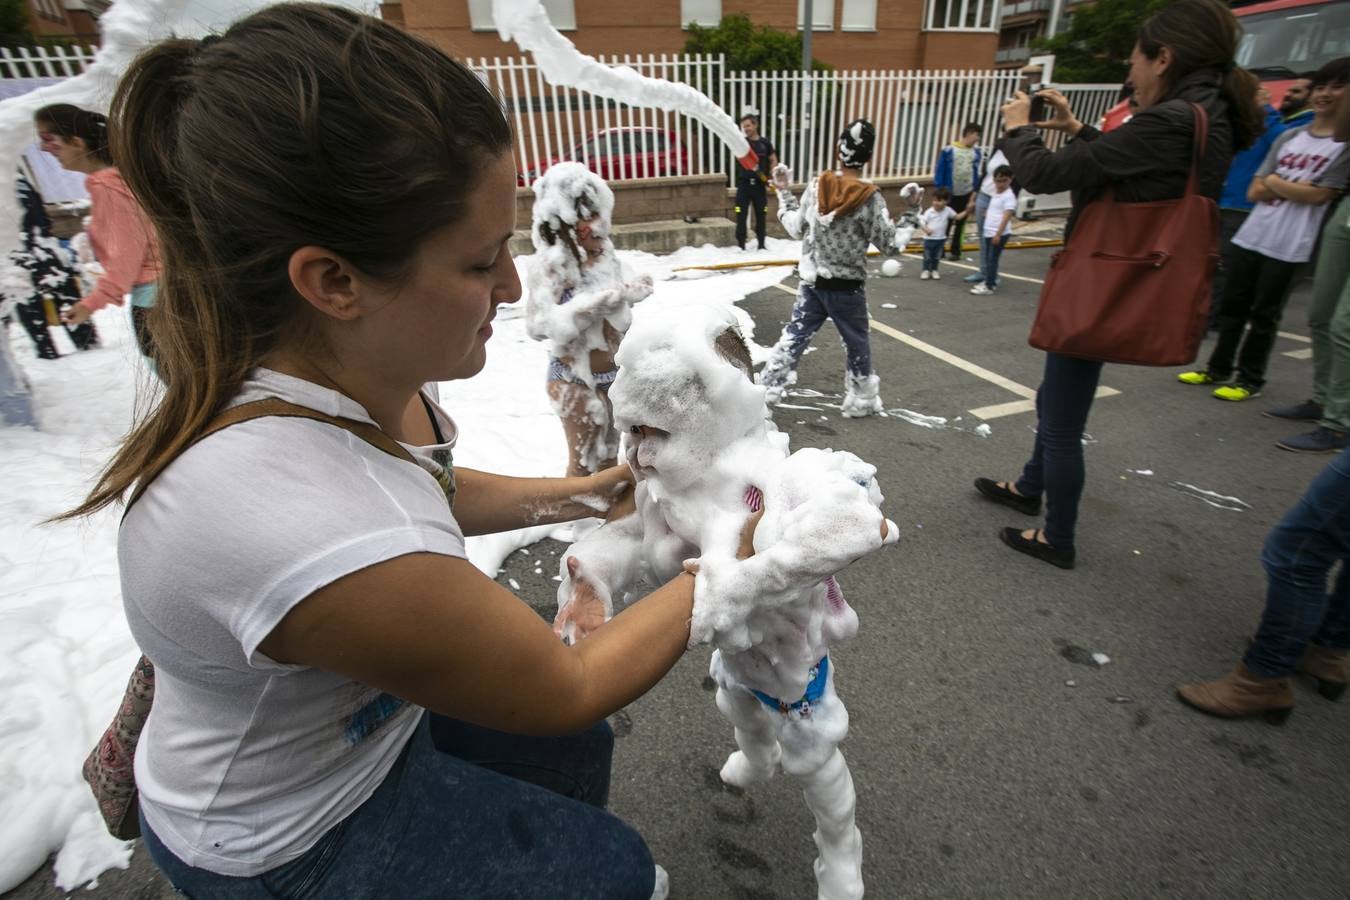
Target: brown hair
{"points": [[731, 346], [69, 122], [301, 125], [1204, 34]]}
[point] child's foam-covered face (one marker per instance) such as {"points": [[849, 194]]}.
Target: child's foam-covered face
{"points": [[589, 237]]}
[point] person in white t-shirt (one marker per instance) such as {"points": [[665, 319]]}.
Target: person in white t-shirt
{"points": [[992, 162], [344, 705], [996, 229], [1304, 171], [935, 221]]}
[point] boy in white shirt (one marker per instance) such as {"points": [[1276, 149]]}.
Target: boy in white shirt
{"points": [[996, 228], [935, 222]]}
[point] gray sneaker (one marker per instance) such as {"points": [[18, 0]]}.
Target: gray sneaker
{"points": [[1307, 411], [1319, 440], [973, 277]]}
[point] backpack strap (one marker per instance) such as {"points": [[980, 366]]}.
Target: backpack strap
{"points": [[1197, 147], [271, 406]]}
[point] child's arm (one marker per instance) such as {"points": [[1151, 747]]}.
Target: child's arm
{"points": [[790, 212], [1003, 223], [1298, 192], [594, 569], [963, 213]]}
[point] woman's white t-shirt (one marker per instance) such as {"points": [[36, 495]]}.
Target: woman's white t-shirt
{"points": [[244, 762]]}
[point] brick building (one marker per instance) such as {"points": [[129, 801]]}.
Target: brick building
{"points": [[75, 20], [1022, 21], [846, 34]]}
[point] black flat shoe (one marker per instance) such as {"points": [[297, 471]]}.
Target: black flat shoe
{"points": [[1055, 556], [999, 494]]}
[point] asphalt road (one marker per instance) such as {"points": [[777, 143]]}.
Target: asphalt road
{"points": [[989, 759]]}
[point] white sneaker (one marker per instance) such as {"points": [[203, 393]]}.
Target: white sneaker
{"points": [[981, 289], [862, 396], [662, 889], [937, 276], [923, 276]]}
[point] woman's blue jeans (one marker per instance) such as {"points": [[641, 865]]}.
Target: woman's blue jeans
{"points": [[465, 812], [1056, 469], [1299, 554]]}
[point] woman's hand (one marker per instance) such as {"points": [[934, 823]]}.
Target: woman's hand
{"points": [[76, 315], [615, 486], [1063, 119], [1017, 111]]}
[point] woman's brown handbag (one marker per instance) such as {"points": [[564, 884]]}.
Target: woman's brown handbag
{"points": [[1133, 283]]}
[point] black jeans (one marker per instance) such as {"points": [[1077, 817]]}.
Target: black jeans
{"points": [[750, 194], [1056, 468], [958, 205], [1255, 292], [1230, 220]]}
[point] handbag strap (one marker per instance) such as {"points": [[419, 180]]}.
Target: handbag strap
{"points": [[1201, 119], [272, 406]]}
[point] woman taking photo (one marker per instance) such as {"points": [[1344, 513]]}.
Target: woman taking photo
{"points": [[123, 241], [1183, 55]]}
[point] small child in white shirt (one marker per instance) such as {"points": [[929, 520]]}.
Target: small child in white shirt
{"points": [[996, 228], [936, 221]]}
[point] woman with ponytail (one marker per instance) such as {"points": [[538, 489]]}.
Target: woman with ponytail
{"points": [[123, 241], [1183, 55], [344, 706]]}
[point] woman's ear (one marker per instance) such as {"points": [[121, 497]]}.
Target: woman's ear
{"points": [[326, 281], [1164, 59]]}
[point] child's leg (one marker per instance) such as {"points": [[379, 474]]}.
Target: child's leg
{"points": [[991, 264], [587, 425], [756, 736], [808, 314], [932, 252], [848, 310]]}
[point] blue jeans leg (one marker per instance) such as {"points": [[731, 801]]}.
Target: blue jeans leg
{"points": [[439, 826], [1298, 556], [932, 254], [1056, 469], [848, 311], [991, 251], [981, 207], [808, 314]]}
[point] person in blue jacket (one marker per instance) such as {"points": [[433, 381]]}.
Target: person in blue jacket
{"points": [[958, 170]]}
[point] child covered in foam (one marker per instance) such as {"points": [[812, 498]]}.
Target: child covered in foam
{"points": [[706, 460], [580, 302]]}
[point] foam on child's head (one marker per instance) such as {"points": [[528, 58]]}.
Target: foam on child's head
{"points": [[673, 377], [565, 194]]}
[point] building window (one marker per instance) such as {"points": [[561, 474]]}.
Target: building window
{"points": [[50, 9], [822, 15], [562, 13], [962, 15], [700, 12], [859, 15]]}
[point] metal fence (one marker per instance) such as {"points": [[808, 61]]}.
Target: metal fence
{"points": [[915, 114], [44, 62]]}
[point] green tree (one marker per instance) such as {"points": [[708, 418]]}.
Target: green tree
{"points": [[749, 48], [1097, 44], [14, 30]]}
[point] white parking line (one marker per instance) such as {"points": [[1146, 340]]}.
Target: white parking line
{"points": [[1028, 395], [1305, 353], [1294, 337]]}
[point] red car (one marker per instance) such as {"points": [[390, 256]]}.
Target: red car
{"points": [[623, 152], [1280, 39]]}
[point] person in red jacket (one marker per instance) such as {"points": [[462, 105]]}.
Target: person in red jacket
{"points": [[123, 241]]}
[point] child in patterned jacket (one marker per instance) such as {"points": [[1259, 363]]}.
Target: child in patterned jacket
{"points": [[839, 216]]}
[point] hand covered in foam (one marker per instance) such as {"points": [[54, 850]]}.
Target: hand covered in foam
{"points": [[781, 177], [821, 513], [638, 289], [903, 235], [584, 604], [911, 192]]}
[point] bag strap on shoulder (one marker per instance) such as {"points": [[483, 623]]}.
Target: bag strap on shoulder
{"points": [[272, 406], [1198, 142]]}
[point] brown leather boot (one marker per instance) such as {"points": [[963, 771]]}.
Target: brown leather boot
{"points": [[1329, 666], [1240, 694]]}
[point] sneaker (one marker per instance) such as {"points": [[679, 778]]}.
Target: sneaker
{"points": [[923, 276], [1307, 411], [974, 278], [937, 276], [1236, 392], [981, 290], [1197, 377], [1319, 440]]}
